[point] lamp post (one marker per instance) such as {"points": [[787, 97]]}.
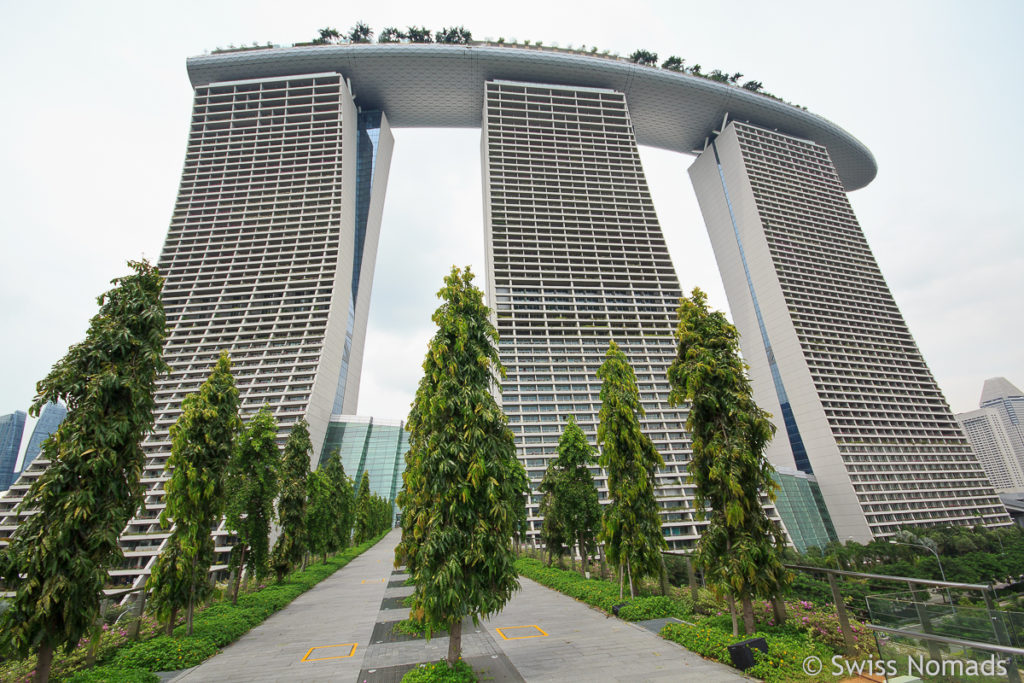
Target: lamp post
{"points": [[941, 571]]}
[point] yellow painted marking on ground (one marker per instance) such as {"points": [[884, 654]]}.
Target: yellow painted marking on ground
{"points": [[373, 581], [307, 658], [539, 632]]}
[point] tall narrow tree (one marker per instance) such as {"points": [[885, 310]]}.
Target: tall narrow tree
{"points": [[463, 486], [363, 527], [253, 482], [291, 545], [58, 559], [741, 549], [631, 528], [341, 487], [576, 504], [202, 441], [322, 512]]}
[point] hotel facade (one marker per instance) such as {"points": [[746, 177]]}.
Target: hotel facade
{"points": [[272, 245]]}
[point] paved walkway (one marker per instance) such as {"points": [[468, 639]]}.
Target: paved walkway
{"points": [[341, 631]]}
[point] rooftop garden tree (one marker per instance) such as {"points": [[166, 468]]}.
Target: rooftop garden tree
{"points": [[644, 57], [360, 33], [292, 544], [456, 35], [341, 488], [741, 550], [631, 527], [202, 441], [322, 511], [363, 526], [552, 534], [390, 34], [463, 487], [418, 34], [328, 36], [673, 63], [57, 561], [253, 480]]}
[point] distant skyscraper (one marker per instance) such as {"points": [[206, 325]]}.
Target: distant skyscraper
{"points": [[830, 355], [51, 417], [996, 432], [11, 428]]}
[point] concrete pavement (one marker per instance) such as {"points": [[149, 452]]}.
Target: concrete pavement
{"points": [[341, 631]]}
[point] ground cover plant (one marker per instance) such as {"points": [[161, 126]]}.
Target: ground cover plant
{"points": [[122, 661], [441, 672], [809, 629]]}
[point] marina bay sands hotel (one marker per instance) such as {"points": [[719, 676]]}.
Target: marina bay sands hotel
{"points": [[272, 246]]}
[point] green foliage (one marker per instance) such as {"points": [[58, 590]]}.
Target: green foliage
{"points": [[390, 34], [341, 486], [328, 36], [462, 486], [644, 57], [418, 34], [631, 526], [456, 35], [202, 441], [363, 520], [441, 672], [113, 674], [322, 512], [655, 607], [91, 488], [741, 549], [253, 475], [570, 506], [673, 63], [291, 508], [360, 33], [164, 653]]}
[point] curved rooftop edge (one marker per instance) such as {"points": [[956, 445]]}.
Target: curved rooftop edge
{"points": [[442, 86]]}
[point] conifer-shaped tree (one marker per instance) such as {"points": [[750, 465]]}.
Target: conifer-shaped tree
{"points": [[253, 482], [57, 560], [341, 487], [202, 441], [292, 544], [741, 549], [631, 528], [363, 528], [322, 511], [569, 488], [463, 487]]}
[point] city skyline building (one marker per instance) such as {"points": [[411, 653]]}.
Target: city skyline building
{"points": [[996, 433], [829, 352], [272, 244], [12, 426], [50, 418], [372, 445]]}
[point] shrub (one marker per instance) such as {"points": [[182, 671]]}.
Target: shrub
{"points": [[440, 672], [113, 674], [657, 607], [703, 639], [165, 654]]}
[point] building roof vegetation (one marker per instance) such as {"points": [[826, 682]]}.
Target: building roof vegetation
{"points": [[459, 35]]}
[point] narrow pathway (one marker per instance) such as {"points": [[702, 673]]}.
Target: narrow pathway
{"points": [[341, 630]]}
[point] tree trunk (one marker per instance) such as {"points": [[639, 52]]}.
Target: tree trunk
{"points": [[572, 557], [748, 615], [732, 613], [45, 659], [622, 577], [584, 559], [664, 577], [779, 609], [629, 570], [191, 597], [454, 642], [140, 609], [171, 620], [238, 578], [692, 578]]}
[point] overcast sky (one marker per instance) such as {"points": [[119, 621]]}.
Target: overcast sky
{"points": [[95, 112]]}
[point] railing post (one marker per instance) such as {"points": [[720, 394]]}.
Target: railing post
{"points": [[844, 621], [999, 629], [926, 623]]}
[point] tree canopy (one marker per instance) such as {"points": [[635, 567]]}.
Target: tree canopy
{"points": [[292, 544], [631, 527], [463, 487], [202, 441], [253, 481], [91, 488], [741, 549]]}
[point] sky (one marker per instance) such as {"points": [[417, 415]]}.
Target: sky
{"points": [[95, 113]]}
